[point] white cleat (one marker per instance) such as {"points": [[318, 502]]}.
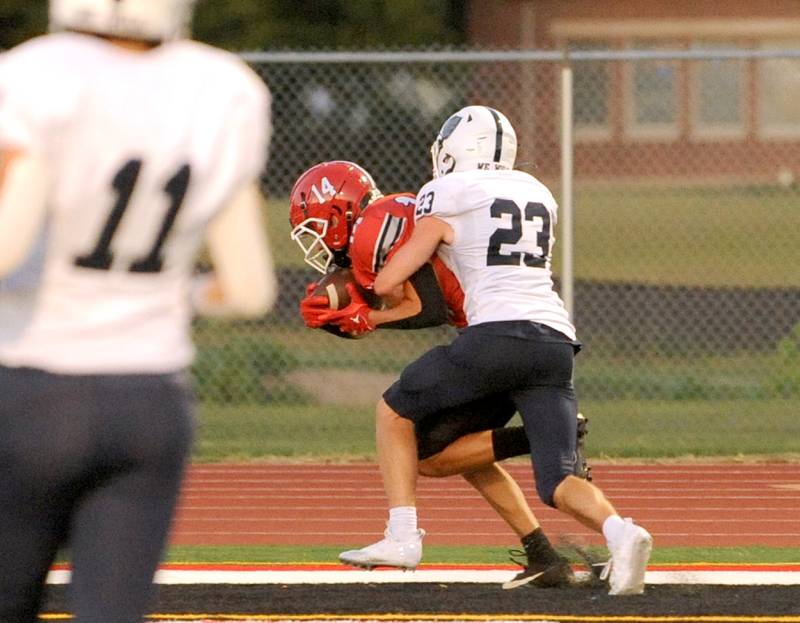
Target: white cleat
{"points": [[387, 553], [629, 556]]}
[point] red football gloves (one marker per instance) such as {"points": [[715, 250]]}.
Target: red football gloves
{"points": [[312, 307], [353, 319]]}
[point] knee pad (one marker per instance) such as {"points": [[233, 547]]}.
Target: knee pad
{"points": [[549, 475], [546, 488]]}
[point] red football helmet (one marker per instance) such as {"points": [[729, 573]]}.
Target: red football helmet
{"points": [[325, 202]]}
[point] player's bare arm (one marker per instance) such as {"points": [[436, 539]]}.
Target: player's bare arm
{"points": [[403, 302], [428, 234], [244, 283], [23, 194]]}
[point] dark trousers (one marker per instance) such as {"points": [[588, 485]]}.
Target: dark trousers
{"points": [[94, 464], [520, 362]]}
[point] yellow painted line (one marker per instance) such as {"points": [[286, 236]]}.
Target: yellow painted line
{"points": [[209, 618]]}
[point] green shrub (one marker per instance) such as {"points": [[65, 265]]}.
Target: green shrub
{"points": [[245, 369], [784, 378]]}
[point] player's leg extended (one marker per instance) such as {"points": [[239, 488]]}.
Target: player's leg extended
{"points": [[550, 422], [432, 384], [468, 440], [469, 436], [397, 455], [481, 449], [542, 565], [549, 411], [472, 451], [121, 525], [505, 496], [43, 449]]}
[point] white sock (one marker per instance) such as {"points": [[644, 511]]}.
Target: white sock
{"points": [[613, 527], [403, 522]]}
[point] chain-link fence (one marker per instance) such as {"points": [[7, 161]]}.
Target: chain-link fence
{"points": [[680, 213]]}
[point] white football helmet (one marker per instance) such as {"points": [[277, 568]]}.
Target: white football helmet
{"points": [[476, 137], [143, 20]]}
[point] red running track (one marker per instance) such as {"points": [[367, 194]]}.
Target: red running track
{"points": [[681, 505]]}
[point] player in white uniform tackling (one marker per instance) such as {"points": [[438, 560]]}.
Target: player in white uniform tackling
{"points": [[493, 227], [122, 146]]}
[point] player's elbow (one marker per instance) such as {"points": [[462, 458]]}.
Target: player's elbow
{"points": [[254, 301], [380, 288], [383, 287], [241, 297]]}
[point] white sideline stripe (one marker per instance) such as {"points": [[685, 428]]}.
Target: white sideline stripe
{"points": [[485, 576]]}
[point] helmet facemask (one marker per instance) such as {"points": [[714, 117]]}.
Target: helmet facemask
{"points": [[310, 236]]}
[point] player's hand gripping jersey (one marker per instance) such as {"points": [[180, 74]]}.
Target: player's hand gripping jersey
{"points": [[128, 202], [503, 223], [384, 226]]}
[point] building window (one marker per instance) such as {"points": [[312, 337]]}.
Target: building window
{"points": [[779, 93], [717, 94], [652, 94], [592, 93]]}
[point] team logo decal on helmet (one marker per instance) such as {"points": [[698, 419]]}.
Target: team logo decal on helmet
{"points": [[324, 205], [476, 137]]}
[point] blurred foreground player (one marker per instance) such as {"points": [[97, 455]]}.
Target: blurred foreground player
{"points": [[124, 145]]}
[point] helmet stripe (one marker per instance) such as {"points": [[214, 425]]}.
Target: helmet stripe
{"points": [[498, 141]]}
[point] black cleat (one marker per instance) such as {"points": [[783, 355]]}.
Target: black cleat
{"points": [[544, 575]]}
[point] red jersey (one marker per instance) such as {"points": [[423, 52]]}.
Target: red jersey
{"points": [[383, 227]]}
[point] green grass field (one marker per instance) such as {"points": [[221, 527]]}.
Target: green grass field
{"points": [[723, 237], [617, 429], [473, 555]]}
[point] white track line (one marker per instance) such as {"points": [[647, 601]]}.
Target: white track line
{"points": [[445, 576]]}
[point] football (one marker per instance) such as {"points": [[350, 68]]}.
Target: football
{"points": [[332, 286]]}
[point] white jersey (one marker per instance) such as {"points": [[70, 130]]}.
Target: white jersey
{"points": [[503, 223], [143, 149]]}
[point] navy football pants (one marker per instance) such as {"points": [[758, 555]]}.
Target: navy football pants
{"points": [[519, 362], [93, 464]]}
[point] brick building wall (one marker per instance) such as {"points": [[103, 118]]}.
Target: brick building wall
{"points": [[680, 118]]}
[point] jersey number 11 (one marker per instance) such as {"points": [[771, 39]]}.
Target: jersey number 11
{"points": [[123, 183]]}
